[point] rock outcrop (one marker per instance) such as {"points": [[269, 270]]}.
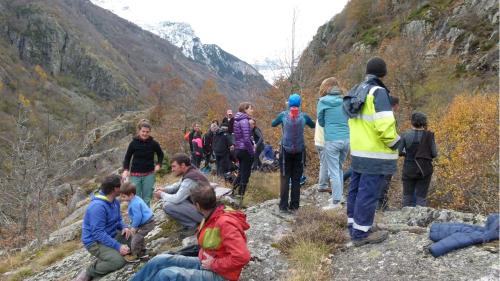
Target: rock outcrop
{"points": [[401, 257], [463, 29], [404, 256]]}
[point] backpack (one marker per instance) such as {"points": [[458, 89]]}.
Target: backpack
{"points": [[293, 133], [198, 146], [356, 97]]}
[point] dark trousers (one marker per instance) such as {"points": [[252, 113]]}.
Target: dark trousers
{"points": [[207, 158], [245, 160], [256, 160], [415, 191], [384, 190], [223, 164], [196, 160], [291, 168], [364, 193], [137, 244]]}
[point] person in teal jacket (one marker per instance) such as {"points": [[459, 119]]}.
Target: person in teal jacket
{"points": [[336, 133]]}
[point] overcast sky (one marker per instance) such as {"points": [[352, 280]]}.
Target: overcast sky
{"points": [[251, 30]]}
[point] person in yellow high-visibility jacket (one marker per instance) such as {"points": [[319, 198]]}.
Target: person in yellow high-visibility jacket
{"points": [[373, 144]]}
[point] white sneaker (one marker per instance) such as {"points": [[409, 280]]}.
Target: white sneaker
{"points": [[332, 206]]}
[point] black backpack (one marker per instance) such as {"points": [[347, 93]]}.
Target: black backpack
{"points": [[355, 98]]}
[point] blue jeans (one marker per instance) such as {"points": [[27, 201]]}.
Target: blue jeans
{"points": [[323, 169], [335, 155], [362, 200], [167, 267], [144, 187]]}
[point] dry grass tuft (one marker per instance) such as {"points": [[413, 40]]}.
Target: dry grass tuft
{"points": [[55, 254], [262, 187], [315, 235], [26, 264], [309, 262], [316, 226]]}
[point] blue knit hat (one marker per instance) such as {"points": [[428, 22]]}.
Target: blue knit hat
{"points": [[294, 100]]}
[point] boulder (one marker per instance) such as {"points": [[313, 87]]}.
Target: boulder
{"points": [[65, 234]]}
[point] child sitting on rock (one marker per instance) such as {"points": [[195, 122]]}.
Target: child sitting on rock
{"points": [[141, 220]]}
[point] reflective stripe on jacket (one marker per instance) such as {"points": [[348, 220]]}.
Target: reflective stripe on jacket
{"points": [[373, 135]]}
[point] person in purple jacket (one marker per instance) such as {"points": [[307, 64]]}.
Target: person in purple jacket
{"points": [[243, 145]]}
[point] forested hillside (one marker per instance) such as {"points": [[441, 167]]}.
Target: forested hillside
{"points": [[442, 59], [80, 64]]}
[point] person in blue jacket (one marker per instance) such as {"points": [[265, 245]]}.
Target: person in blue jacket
{"points": [[141, 220], [104, 234]]}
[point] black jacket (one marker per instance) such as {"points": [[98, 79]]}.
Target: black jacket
{"points": [[143, 152], [208, 140], [230, 124], [258, 138], [222, 142]]}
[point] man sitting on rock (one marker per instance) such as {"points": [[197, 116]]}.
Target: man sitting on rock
{"points": [[103, 232], [175, 197], [222, 240]]}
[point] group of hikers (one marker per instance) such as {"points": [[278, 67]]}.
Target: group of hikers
{"points": [[360, 121]]}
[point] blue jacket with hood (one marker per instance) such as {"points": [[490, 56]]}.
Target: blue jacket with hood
{"points": [[331, 116], [101, 221], [453, 236]]}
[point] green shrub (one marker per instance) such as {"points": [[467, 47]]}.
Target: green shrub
{"points": [[371, 37]]}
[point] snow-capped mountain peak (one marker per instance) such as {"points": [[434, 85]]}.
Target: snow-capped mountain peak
{"points": [[178, 33], [183, 36]]}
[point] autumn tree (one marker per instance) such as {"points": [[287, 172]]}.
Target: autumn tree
{"points": [[210, 104], [164, 92], [466, 171]]}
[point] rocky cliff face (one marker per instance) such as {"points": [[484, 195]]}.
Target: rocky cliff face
{"points": [[466, 29], [78, 53]]}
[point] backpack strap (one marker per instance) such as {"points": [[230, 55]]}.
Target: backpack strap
{"points": [[373, 89]]}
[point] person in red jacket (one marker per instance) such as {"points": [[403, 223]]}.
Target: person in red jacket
{"points": [[223, 246]]}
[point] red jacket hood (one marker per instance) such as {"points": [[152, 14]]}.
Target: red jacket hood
{"points": [[237, 218]]}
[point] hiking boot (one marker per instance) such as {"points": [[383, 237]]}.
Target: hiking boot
{"points": [[285, 211], [372, 238], [83, 276], [131, 258]]}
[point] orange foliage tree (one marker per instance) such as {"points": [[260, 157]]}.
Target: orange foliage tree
{"points": [[210, 104], [466, 171]]}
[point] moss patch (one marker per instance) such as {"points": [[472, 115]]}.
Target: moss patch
{"points": [[168, 228]]}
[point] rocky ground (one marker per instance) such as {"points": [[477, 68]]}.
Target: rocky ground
{"points": [[400, 257]]}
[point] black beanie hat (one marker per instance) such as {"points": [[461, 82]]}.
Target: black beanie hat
{"points": [[376, 66]]}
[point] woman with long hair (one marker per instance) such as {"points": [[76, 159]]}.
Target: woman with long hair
{"points": [[139, 165], [336, 135], [243, 144]]}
